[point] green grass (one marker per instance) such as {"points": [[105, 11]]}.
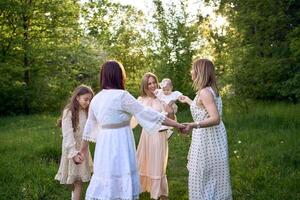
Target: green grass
{"points": [[264, 149]]}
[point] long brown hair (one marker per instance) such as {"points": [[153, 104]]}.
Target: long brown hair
{"points": [[205, 75], [112, 75], [144, 91], [74, 107]]}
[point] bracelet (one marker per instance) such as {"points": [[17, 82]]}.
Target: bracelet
{"points": [[198, 125]]}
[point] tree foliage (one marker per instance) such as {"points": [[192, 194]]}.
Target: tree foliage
{"points": [[263, 48], [40, 51], [49, 47], [173, 47]]}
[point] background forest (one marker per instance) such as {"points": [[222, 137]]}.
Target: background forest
{"points": [[48, 47]]}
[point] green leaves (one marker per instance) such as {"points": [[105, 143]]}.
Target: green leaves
{"points": [[38, 41], [49, 47], [261, 52], [173, 50]]}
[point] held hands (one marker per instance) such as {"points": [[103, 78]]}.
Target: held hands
{"points": [[180, 127], [185, 128], [79, 158]]}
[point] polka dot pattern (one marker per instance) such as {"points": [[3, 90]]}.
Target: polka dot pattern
{"points": [[208, 166]]}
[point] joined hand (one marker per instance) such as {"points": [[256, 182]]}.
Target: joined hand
{"points": [[78, 159], [188, 127]]}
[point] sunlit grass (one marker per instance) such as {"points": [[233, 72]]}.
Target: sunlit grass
{"points": [[263, 147]]}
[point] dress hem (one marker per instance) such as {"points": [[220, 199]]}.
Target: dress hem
{"points": [[134, 197], [68, 180]]}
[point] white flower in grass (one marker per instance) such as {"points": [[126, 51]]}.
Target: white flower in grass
{"points": [[235, 151], [281, 141], [239, 141], [237, 157]]}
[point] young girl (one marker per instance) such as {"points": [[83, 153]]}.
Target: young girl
{"points": [[208, 155], [73, 121], [152, 151]]}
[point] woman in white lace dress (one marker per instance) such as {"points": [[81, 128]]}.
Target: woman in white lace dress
{"points": [[208, 165], [115, 167]]}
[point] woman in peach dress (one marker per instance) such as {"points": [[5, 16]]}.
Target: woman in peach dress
{"points": [[152, 150]]}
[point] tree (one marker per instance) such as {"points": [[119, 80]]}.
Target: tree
{"points": [[172, 47], [262, 41], [40, 45], [120, 31]]}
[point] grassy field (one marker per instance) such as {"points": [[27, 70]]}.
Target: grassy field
{"points": [[264, 149]]}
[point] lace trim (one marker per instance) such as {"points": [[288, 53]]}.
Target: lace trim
{"points": [[67, 179], [88, 138], [134, 197]]}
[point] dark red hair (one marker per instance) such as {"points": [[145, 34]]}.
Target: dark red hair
{"points": [[112, 75]]}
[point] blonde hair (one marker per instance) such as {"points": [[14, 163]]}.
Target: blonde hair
{"points": [[144, 91], [204, 75], [165, 82]]}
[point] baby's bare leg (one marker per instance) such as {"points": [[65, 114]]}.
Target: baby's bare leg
{"points": [[175, 108]]}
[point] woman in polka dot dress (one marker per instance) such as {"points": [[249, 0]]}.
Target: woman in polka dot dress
{"points": [[208, 165]]}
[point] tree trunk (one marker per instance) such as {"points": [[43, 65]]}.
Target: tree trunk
{"points": [[26, 65]]}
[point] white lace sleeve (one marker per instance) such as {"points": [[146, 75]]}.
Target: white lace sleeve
{"points": [[148, 118], [91, 128], [69, 141]]}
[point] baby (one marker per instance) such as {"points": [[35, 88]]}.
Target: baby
{"points": [[169, 97]]}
